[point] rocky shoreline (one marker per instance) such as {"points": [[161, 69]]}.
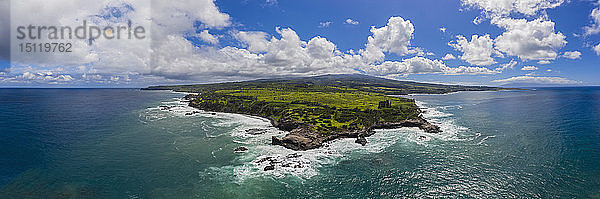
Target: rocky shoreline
{"points": [[303, 137]]}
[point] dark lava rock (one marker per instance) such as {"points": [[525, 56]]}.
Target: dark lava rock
{"points": [[240, 149], [417, 122], [303, 137], [361, 140], [255, 131], [286, 124], [164, 108], [300, 139], [192, 113], [268, 168], [270, 159], [293, 155]]}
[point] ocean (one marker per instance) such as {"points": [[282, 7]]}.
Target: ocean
{"points": [[128, 143]]}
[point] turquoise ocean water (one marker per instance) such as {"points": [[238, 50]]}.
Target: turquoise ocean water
{"points": [[125, 143]]}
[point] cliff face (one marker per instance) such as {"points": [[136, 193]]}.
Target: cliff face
{"points": [[304, 138]]}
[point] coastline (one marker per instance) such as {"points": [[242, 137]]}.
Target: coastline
{"points": [[301, 136], [316, 110]]}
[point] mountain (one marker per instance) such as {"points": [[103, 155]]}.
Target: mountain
{"points": [[353, 81]]}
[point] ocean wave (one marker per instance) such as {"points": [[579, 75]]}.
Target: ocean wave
{"points": [[255, 134], [445, 120], [302, 164], [485, 138]]}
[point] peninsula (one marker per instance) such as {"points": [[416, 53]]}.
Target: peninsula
{"points": [[314, 110]]}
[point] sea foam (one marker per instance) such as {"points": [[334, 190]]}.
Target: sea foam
{"points": [[304, 164]]}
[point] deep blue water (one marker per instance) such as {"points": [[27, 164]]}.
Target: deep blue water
{"points": [[117, 143]]}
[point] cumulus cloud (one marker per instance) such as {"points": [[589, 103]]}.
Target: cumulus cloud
{"points": [[543, 62], [255, 41], [527, 68], [422, 65], [117, 55], [506, 7], [207, 37], [351, 21], [286, 54], [538, 80], [572, 55], [320, 48], [478, 51], [41, 77], [464, 70], [168, 55], [182, 12], [597, 49], [448, 57], [529, 40], [394, 37], [415, 65], [595, 27]]}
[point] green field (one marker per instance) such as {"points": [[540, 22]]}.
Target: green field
{"points": [[326, 109]]}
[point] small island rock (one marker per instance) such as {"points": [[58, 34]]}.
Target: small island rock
{"points": [[269, 167], [240, 149]]}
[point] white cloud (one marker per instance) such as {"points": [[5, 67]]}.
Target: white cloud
{"points": [[597, 49], [443, 29], [476, 52], [464, 70], [448, 57], [415, 65], [47, 77], [529, 68], [506, 7], [529, 40], [421, 65], [271, 2], [543, 62], [351, 21], [538, 80], [508, 65], [185, 10], [174, 18], [256, 41], [324, 24], [320, 48], [172, 57], [286, 55], [207, 37], [572, 55], [595, 27], [394, 37]]}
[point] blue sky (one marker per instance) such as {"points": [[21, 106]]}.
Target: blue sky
{"points": [[238, 40]]}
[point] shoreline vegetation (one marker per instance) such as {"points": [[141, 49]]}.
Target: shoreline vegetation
{"points": [[315, 110]]}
